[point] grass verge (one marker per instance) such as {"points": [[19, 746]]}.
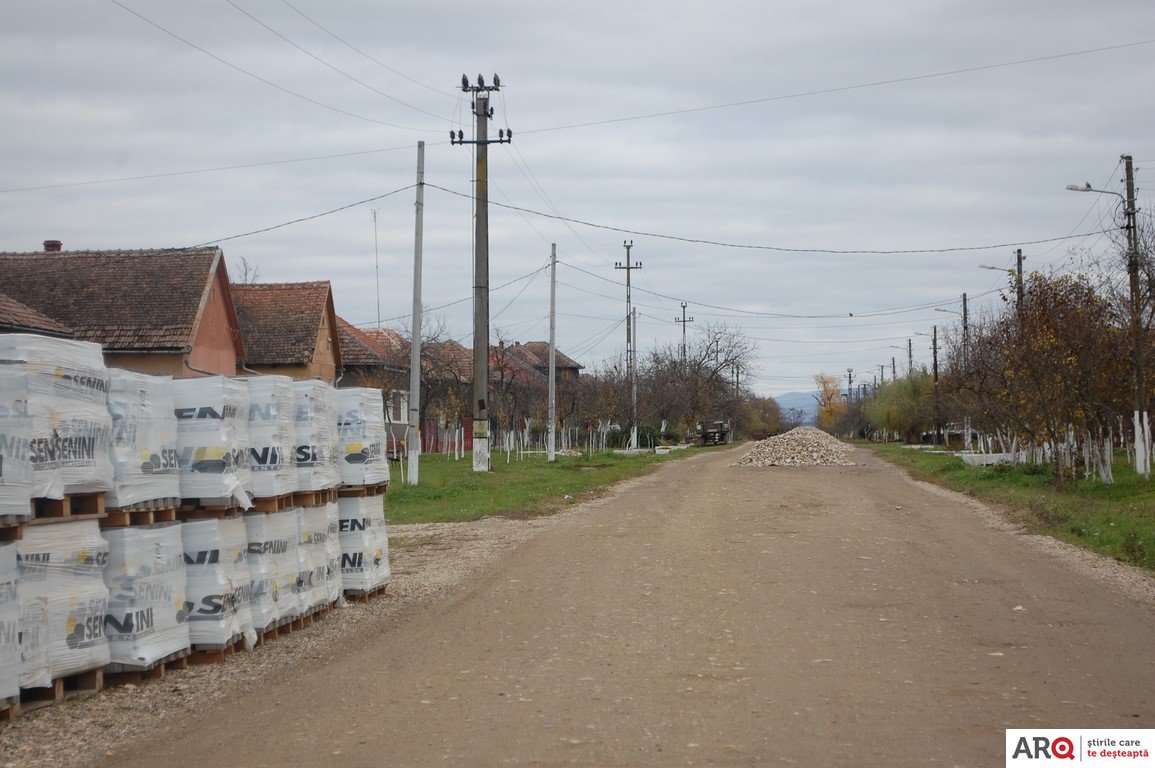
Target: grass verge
{"points": [[450, 491], [1116, 520]]}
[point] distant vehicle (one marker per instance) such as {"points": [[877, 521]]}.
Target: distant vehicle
{"points": [[713, 432]]}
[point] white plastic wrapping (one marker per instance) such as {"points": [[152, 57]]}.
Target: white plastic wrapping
{"points": [[312, 557], [63, 601], [362, 436], [316, 450], [272, 425], [217, 584], [333, 585], [364, 543], [9, 624], [212, 428], [273, 565], [16, 474], [147, 614], [67, 402], [145, 462]]}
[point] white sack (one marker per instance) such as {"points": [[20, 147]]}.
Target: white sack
{"points": [[272, 558], [316, 450], [145, 461], [272, 425], [212, 439], [16, 473], [217, 584], [362, 435], [364, 543], [9, 623]]}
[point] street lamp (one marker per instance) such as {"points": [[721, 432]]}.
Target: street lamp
{"points": [[1142, 429], [934, 380], [1017, 272], [909, 355]]}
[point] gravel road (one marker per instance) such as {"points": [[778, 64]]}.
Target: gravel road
{"points": [[705, 614]]}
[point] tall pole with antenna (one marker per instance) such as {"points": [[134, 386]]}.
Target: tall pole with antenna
{"points": [[683, 321], [376, 267], [482, 112]]}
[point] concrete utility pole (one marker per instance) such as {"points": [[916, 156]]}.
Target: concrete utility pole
{"points": [[934, 358], [683, 321], [893, 370], [1141, 425], [966, 336], [1019, 279], [414, 447], [909, 357], [551, 436], [631, 341], [849, 384], [481, 111]]}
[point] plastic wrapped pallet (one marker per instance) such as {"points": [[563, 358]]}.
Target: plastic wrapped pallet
{"points": [[145, 465], [272, 558], [63, 600], [16, 473], [212, 429], [316, 450], [364, 543], [361, 430], [217, 583], [67, 403], [312, 557], [145, 576], [333, 586], [272, 425], [9, 624]]}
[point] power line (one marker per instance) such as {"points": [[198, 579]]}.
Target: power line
{"points": [[253, 75], [336, 69], [303, 218], [843, 88], [780, 249]]}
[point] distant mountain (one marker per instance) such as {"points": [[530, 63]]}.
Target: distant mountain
{"points": [[803, 401]]}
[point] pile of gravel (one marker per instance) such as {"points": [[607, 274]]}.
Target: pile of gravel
{"points": [[800, 447]]}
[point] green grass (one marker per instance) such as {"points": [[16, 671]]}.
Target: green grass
{"points": [[450, 491], [1116, 520]]}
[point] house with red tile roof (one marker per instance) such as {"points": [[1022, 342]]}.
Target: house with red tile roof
{"points": [[20, 318], [289, 329], [163, 311]]}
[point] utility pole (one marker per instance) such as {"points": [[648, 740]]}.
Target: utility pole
{"points": [[414, 447], [849, 384], [1141, 425], [683, 321], [631, 341], [893, 370], [1019, 279], [909, 357], [966, 337], [481, 111], [882, 373], [934, 358], [551, 436], [376, 267]]}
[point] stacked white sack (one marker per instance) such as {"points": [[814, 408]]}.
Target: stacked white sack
{"points": [[62, 589], [364, 543], [361, 430], [16, 473], [67, 401], [312, 558], [333, 585], [272, 424], [212, 428], [145, 462], [9, 623], [145, 576], [272, 557], [217, 585], [316, 451]]}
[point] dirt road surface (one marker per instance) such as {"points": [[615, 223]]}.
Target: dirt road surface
{"points": [[717, 615]]}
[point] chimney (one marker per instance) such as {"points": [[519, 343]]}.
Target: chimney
{"points": [[52, 246]]}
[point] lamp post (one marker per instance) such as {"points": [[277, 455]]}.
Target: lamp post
{"points": [[1018, 274], [934, 379], [1139, 416], [965, 330]]}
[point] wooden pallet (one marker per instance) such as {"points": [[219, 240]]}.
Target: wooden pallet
{"points": [[215, 654], [79, 684], [75, 506], [9, 708], [279, 628], [314, 498], [365, 595], [361, 491], [272, 503], [11, 531], [207, 509], [122, 674], [124, 517]]}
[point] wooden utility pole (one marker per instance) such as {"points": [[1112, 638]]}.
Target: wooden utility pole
{"points": [[414, 447], [482, 112]]}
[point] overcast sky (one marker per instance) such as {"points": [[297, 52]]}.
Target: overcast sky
{"points": [[824, 126]]}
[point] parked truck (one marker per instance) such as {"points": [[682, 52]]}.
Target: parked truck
{"points": [[713, 432]]}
